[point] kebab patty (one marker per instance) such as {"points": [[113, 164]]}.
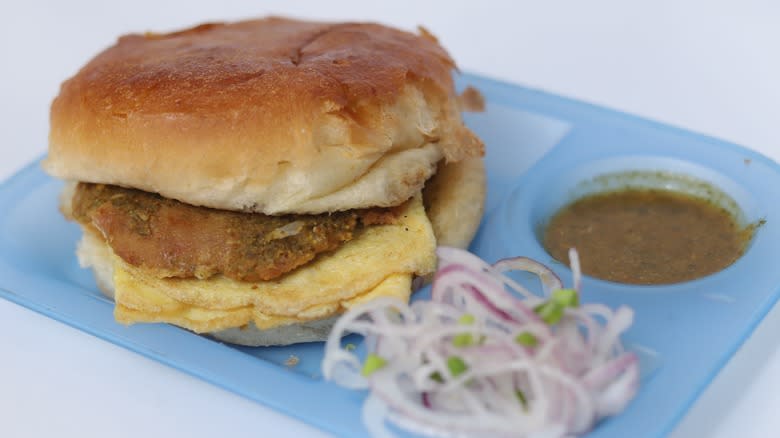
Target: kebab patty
{"points": [[174, 239]]}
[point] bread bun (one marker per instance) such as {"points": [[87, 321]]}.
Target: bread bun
{"points": [[272, 116]]}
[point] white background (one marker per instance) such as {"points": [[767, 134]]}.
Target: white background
{"points": [[712, 67]]}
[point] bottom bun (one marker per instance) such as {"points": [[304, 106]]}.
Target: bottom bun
{"points": [[455, 201], [310, 331]]}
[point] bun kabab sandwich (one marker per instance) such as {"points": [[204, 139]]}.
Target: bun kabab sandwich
{"points": [[253, 180]]}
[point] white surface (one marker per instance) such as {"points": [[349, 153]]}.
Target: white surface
{"points": [[711, 67]]}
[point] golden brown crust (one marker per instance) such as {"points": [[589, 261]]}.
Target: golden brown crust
{"points": [[269, 115]]}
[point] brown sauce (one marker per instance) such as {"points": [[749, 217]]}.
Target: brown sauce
{"points": [[647, 236]]}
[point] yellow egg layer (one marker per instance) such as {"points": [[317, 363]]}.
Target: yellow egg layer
{"points": [[380, 261]]}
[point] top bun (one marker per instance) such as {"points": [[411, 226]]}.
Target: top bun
{"points": [[272, 116]]}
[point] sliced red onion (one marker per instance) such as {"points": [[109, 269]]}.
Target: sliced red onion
{"points": [[550, 280], [574, 263], [574, 374]]}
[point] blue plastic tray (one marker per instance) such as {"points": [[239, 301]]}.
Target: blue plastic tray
{"points": [[539, 147]]}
